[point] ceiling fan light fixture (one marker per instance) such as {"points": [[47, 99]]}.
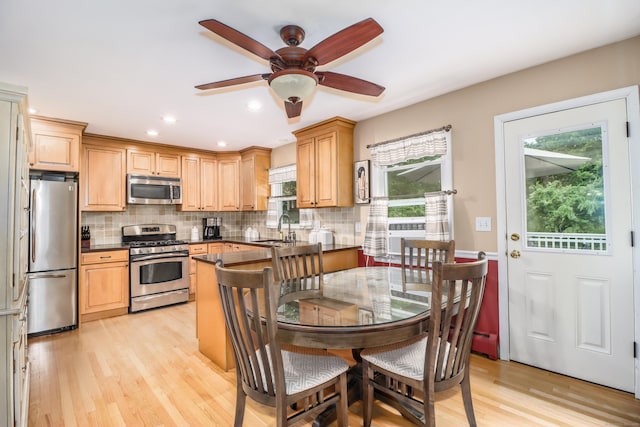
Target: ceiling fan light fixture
{"points": [[292, 83]]}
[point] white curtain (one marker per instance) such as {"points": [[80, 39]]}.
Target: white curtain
{"points": [[375, 238], [282, 174], [411, 147], [272, 213], [436, 219]]}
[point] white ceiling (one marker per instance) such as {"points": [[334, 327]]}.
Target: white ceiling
{"points": [[120, 65]]}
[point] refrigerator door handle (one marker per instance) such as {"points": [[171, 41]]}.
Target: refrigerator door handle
{"points": [[47, 276], [33, 226]]}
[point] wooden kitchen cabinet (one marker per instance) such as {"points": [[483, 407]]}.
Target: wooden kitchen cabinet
{"points": [[55, 144], [236, 247], [145, 162], [229, 182], [199, 184], [199, 249], [194, 249], [215, 248], [104, 284], [254, 178], [103, 176], [324, 164], [15, 368], [327, 312]]}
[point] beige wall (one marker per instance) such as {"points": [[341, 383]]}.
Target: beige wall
{"points": [[284, 155], [471, 112]]}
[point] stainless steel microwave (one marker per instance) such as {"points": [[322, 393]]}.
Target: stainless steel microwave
{"points": [[153, 190]]}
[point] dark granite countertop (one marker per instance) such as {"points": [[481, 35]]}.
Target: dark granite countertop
{"points": [[229, 259], [239, 240], [100, 248]]}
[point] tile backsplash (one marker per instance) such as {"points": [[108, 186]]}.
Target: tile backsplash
{"points": [[106, 227]]}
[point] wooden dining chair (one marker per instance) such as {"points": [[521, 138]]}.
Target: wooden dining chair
{"points": [[298, 270], [436, 361], [417, 256], [297, 382]]}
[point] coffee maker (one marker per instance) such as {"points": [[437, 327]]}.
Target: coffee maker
{"points": [[211, 228]]}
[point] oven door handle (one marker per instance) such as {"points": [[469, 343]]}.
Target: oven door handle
{"points": [[136, 258]]}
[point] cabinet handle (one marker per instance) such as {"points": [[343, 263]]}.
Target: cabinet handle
{"points": [[105, 257]]}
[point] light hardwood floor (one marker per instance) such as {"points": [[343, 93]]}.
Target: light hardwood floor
{"points": [[145, 370]]}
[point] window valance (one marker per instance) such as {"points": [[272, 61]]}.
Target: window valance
{"points": [[282, 174], [430, 143]]}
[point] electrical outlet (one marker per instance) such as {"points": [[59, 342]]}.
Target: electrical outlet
{"points": [[483, 223], [358, 227]]}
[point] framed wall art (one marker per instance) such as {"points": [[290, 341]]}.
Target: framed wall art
{"points": [[361, 182]]}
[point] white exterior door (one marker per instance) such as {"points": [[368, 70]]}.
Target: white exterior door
{"points": [[569, 252]]}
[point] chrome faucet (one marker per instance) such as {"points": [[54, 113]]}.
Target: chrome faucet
{"points": [[288, 238]]}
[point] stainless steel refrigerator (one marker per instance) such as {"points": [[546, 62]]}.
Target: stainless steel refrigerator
{"points": [[53, 213]]}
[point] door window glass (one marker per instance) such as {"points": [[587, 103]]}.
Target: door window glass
{"points": [[565, 189]]}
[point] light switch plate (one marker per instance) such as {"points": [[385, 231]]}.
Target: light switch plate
{"points": [[358, 227], [483, 223]]}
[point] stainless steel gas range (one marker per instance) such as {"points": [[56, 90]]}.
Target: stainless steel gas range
{"points": [[158, 266]]}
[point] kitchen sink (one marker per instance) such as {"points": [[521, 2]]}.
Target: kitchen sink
{"points": [[273, 242]]}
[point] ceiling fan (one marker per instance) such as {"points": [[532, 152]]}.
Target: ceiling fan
{"points": [[294, 76]]}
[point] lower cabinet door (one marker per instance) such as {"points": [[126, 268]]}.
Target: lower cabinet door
{"points": [[104, 287]]}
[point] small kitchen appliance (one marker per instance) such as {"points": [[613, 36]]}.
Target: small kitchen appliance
{"points": [[153, 190], [211, 228]]}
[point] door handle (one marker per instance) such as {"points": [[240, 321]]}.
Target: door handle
{"points": [[47, 276], [33, 226], [515, 254]]}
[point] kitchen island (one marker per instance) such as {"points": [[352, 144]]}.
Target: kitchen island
{"points": [[213, 339]]}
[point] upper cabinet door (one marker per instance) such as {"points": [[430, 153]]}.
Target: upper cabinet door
{"points": [[254, 178], [327, 176], [141, 162], [103, 179], [190, 184], [305, 173], [229, 184], [168, 165], [55, 145], [209, 184]]}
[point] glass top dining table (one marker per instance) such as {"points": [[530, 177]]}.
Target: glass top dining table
{"points": [[359, 308]]}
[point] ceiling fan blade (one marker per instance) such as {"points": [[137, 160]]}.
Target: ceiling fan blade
{"points": [[232, 82], [344, 41], [293, 110], [348, 83], [239, 39]]}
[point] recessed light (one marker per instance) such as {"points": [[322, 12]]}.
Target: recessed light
{"points": [[254, 105], [169, 119], [32, 111], [152, 132], [222, 144]]}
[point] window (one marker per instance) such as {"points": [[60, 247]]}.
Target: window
{"points": [[283, 198], [405, 183], [284, 194], [403, 171]]}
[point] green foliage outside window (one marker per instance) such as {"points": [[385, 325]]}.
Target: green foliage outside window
{"points": [[410, 180], [569, 202]]}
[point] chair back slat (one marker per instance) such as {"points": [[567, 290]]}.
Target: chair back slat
{"points": [[247, 303], [299, 270], [417, 256], [458, 290]]}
